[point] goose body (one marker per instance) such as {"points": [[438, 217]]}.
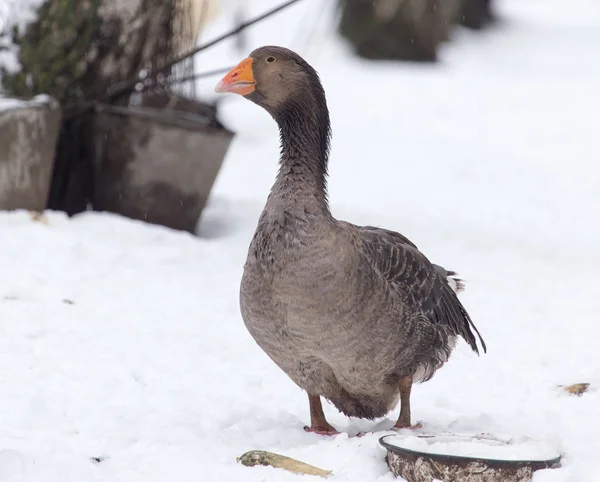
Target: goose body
{"points": [[352, 314]]}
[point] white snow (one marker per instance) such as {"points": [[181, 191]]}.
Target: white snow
{"points": [[476, 447], [10, 103], [123, 341]]}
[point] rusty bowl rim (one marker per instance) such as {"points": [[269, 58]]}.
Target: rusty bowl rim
{"points": [[547, 463]]}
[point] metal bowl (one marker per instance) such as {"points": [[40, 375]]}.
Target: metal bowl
{"points": [[425, 465]]}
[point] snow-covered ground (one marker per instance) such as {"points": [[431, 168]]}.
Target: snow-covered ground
{"points": [[123, 341]]}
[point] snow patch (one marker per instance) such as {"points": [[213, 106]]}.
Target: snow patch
{"points": [[10, 103]]}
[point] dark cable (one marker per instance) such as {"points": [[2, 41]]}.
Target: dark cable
{"points": [[128, 86]]}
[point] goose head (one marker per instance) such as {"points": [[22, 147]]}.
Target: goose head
{"points": [[275, 78]]}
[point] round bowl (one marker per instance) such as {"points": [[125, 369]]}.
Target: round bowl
{"points": [[466, 458]]}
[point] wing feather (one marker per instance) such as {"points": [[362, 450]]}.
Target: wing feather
{"points": [[420, 283]]}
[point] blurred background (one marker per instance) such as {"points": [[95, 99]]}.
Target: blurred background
{"points": [[485, 107]]}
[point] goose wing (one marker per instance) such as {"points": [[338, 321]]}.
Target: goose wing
{"points": [[422, 284]]}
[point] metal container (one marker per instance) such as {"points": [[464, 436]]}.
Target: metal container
{"points": [[155, 164], [421, 466]]}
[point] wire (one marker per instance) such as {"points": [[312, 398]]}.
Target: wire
{"points": [[128, 86], [201, 75]]}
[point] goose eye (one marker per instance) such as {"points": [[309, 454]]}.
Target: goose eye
{"points": [[270, 59]]}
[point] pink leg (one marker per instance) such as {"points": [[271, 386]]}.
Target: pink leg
{"points": [[404, 418], [318, 423]]}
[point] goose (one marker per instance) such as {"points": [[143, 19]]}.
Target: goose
{"points": [[353, 314]]}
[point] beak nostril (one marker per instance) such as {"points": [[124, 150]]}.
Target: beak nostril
{"points": [[235, 74]]}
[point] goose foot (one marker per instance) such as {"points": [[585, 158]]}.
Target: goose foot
{"points": [[395, 428], [318, 423], [328, 430]]}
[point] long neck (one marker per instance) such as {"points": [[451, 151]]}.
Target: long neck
{"points": [[301, 183]]}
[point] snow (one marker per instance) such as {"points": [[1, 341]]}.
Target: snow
{"points": [[123, 341], [9, 103], [476, 447]]}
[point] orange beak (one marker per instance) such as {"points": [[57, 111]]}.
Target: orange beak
{"points": [[239, 80]]}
